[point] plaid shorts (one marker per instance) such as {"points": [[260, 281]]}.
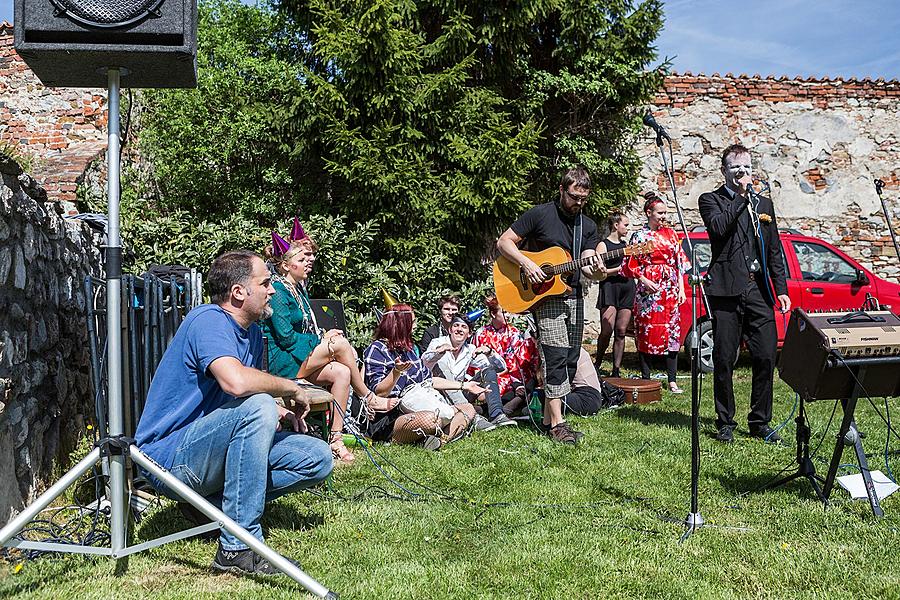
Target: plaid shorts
{"points": [[560, 326]]}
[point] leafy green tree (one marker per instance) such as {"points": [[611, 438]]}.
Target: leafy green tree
{"points": [[408, 134]]}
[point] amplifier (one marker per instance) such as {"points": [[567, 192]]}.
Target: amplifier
{"points": [[815, 345]]}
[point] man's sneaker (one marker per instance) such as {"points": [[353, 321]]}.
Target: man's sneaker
{"points": [[563, 434], [767, 434], [243, 562], [502, 420], [725, 434], [482, 424]]}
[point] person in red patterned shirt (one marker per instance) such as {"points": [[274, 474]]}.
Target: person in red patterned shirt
{"points": [[518, 351]]}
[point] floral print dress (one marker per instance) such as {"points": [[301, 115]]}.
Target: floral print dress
{"points": [[657, 326], [518, 352]]}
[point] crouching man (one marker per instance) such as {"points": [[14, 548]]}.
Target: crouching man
{"points": [[211, 417]]}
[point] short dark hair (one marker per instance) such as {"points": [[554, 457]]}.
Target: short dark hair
{"points": [[577, 175], [734, 149], [229, 269], [451, 298]]}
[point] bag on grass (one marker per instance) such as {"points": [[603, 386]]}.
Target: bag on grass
{"points": [[422, 397]]}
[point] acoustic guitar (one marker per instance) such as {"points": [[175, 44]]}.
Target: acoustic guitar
{"points": [[516, 294]]}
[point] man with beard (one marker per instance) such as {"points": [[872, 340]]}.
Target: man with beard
{"points": [[211, 417], [560, 319]]}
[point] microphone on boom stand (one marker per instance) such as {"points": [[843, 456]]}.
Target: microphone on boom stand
{"points": [[661, 132], [694, 519]]}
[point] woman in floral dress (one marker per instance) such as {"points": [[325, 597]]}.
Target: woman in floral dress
{"points": [[659, 290]]}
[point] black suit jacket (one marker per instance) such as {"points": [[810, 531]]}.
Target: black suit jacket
{"points": [[728, 270]]}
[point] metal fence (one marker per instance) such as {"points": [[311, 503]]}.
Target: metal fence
{"points": [[152, 309]]}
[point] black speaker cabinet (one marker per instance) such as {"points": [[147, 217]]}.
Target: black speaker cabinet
{"points": [[73, 43], [811, 338]]}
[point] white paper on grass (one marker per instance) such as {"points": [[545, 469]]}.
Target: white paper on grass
{"points": [[854, 484]]}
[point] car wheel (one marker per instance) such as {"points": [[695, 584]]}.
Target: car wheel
{"points": [[706, 345]]}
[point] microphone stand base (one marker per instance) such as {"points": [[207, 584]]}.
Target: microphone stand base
{"points": [[692, 523]]}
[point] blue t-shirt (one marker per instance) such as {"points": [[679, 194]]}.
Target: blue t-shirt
{"points": [[182, 390]]}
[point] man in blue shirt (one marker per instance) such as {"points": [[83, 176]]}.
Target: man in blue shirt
{"points": [[211, 417]]}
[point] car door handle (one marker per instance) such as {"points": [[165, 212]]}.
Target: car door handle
{"points": [[815, 290]]}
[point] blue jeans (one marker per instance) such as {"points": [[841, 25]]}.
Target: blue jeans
{"points": [[236, 460], [486, 378]]}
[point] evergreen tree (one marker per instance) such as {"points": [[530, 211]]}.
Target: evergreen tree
{"points": [[430, 125]]}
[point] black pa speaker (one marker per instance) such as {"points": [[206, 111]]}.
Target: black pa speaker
{"points": [[73, 43]]}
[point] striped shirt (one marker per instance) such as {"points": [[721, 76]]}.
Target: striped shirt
{"points": [[380, 361]]}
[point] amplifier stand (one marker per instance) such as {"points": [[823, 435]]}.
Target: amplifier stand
{"points": [[848, 435], [805, 467]]}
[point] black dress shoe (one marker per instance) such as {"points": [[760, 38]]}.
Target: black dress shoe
{"points": [[725, 434], [767, 434]]}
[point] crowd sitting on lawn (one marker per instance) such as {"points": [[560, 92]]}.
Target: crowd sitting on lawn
{"points": [[455, 381]]}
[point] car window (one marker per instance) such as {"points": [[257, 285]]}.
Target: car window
{"points": [[704, 254], [703, 250], [820, 263]]}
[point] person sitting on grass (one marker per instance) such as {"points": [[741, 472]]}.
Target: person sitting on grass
{"points": [[211, 418], [452, 357], [394, 369], [447, 307], [519, 353]]}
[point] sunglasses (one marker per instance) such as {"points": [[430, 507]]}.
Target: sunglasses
{"points": [[577, 197]]}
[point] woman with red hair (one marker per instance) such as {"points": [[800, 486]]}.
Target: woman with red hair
{"points": [[394, 369], [659, 290]]}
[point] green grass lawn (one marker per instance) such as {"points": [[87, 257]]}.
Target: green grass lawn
{"points": [[510, 514]]}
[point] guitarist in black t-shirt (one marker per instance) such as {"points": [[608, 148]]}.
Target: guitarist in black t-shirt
{"points": [[559, 319]]}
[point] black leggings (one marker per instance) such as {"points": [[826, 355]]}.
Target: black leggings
{"points": [[671, 364]]}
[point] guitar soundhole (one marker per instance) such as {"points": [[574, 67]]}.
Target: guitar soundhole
{"points": [[540, 288]]}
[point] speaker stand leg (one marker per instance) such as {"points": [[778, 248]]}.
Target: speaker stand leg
{"points": [[848, 435], [805, 467]]}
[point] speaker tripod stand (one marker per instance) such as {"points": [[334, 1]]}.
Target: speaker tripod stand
{"points": [[113, 450], [805, 467]]}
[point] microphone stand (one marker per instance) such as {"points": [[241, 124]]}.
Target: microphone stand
{"points": [[694, 520], [879, 185]]}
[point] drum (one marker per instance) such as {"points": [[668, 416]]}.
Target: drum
{"points": [[637, 391]]}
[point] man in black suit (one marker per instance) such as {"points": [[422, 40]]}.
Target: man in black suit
{"points": [[747, 260]]}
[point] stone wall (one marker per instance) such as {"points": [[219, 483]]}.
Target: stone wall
{"points": [[45, 392], [59, 130], [820, 144]]}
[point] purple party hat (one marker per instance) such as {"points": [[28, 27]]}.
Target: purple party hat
{"points": [[297, 232], [279, 245]]}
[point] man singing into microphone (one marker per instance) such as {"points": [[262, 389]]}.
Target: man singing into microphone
{"points": [[746, 262]]}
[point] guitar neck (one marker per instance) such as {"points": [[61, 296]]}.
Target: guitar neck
{"points": [[572, 265]]}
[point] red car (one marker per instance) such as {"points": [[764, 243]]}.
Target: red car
{"points": [[819, 277]]}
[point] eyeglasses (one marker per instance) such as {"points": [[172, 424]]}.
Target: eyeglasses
{"points": [[736, 168], [577, 197]]}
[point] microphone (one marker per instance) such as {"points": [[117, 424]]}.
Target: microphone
{"points": [[650, 122], [879, 185]]}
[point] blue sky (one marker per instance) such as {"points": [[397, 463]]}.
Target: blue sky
{"points": [[778, 37]]}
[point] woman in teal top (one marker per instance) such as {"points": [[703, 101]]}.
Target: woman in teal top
{"points": [[299, 349]]}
